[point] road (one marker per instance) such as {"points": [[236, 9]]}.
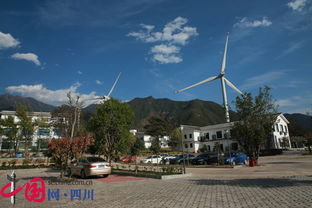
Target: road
{"points": [[280, 181]]}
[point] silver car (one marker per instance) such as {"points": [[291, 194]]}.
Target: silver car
{"points": [[89, 166]]}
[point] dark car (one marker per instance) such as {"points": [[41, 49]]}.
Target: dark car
{"points": [[205, 159], [179, 159], [236, 158]]}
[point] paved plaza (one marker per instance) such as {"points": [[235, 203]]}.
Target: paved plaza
{"points": [[280, 181]]}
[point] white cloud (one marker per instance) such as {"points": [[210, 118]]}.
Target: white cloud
{"points": [[297, 5], [166, 59], [296, 104], [7, 41], [98, 82], [53, 97], [165, 49], [28, 57], [260, 80], [79, 72], [285, 102], [245, 23], [174, 33], [292, 47]]}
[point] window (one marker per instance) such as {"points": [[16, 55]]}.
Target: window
{"points": [[185, 136], [207, 136], [276, 128], [44, 132], [282, 129], [234, 146], [191, 136], [286, 129], [219, 134], [186, 146], [191, 145]]}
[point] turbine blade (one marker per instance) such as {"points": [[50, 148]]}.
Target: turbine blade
{"points": [[232, 86], [111, 90], [199, 83], [224, 55]]}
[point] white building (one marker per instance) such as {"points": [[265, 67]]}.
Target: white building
{"points": [[197, 138], [40, 133], [207, 137], [281, 139], [147, 139]]}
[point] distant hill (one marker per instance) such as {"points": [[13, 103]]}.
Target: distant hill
{"points": [[303, 121], [194, 112], [8, 102]]}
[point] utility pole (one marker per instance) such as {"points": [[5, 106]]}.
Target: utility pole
{"points": [[183, 164]]}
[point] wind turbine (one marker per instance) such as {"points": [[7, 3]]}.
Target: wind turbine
{"points": [[223, 81], [104, 98]]}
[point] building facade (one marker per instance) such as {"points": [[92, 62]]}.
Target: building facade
{"points": [[40, 136], [209, 138]]}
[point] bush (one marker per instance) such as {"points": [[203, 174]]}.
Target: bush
{"points": [[172, 170], [12, 162], [221, 161], [4, 164], [39, 161], [27, 161]]}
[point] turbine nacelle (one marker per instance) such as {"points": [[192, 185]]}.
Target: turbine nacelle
{"points": [[104, 98]]}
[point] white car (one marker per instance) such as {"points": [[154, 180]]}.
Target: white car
{"points": [[167, 158], [154, 159]]}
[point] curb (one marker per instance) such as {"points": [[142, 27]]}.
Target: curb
{"points": [[161, 177]]}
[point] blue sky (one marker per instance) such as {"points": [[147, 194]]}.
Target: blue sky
{"points": [[50, 47]]}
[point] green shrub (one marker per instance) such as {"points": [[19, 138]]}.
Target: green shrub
{"points": [[3, 164], [221, 161], [12, 162], [171, 170], [27, 161], [39, 161]]}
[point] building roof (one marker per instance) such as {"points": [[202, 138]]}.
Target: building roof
{"points": [[13, 113]]}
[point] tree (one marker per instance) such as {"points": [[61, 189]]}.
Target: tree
{"points": [[111, 128], [58, 150], [155, 146], [176, 138], [308, 141], [157, 127], [43, 127], [10, 130], [135, 150], [67, 121], [68, 118], [26, 125], [256, 118]]}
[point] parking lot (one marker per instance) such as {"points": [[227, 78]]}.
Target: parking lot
{"points": [[279, 181]]}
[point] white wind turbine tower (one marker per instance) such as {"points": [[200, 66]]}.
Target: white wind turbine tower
{"points": [[223, 81], [104, 98]]}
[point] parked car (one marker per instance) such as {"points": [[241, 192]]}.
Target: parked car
{"points": [[18, 155], [89, 166], [166, 159], [154, 159], [236, 158], [129, 159], [205, 158], [179, 159]]}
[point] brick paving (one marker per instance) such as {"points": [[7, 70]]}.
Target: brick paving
{"points": [[198, 191]]}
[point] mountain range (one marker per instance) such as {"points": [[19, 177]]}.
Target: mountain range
{"points": [[194, 112]]}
